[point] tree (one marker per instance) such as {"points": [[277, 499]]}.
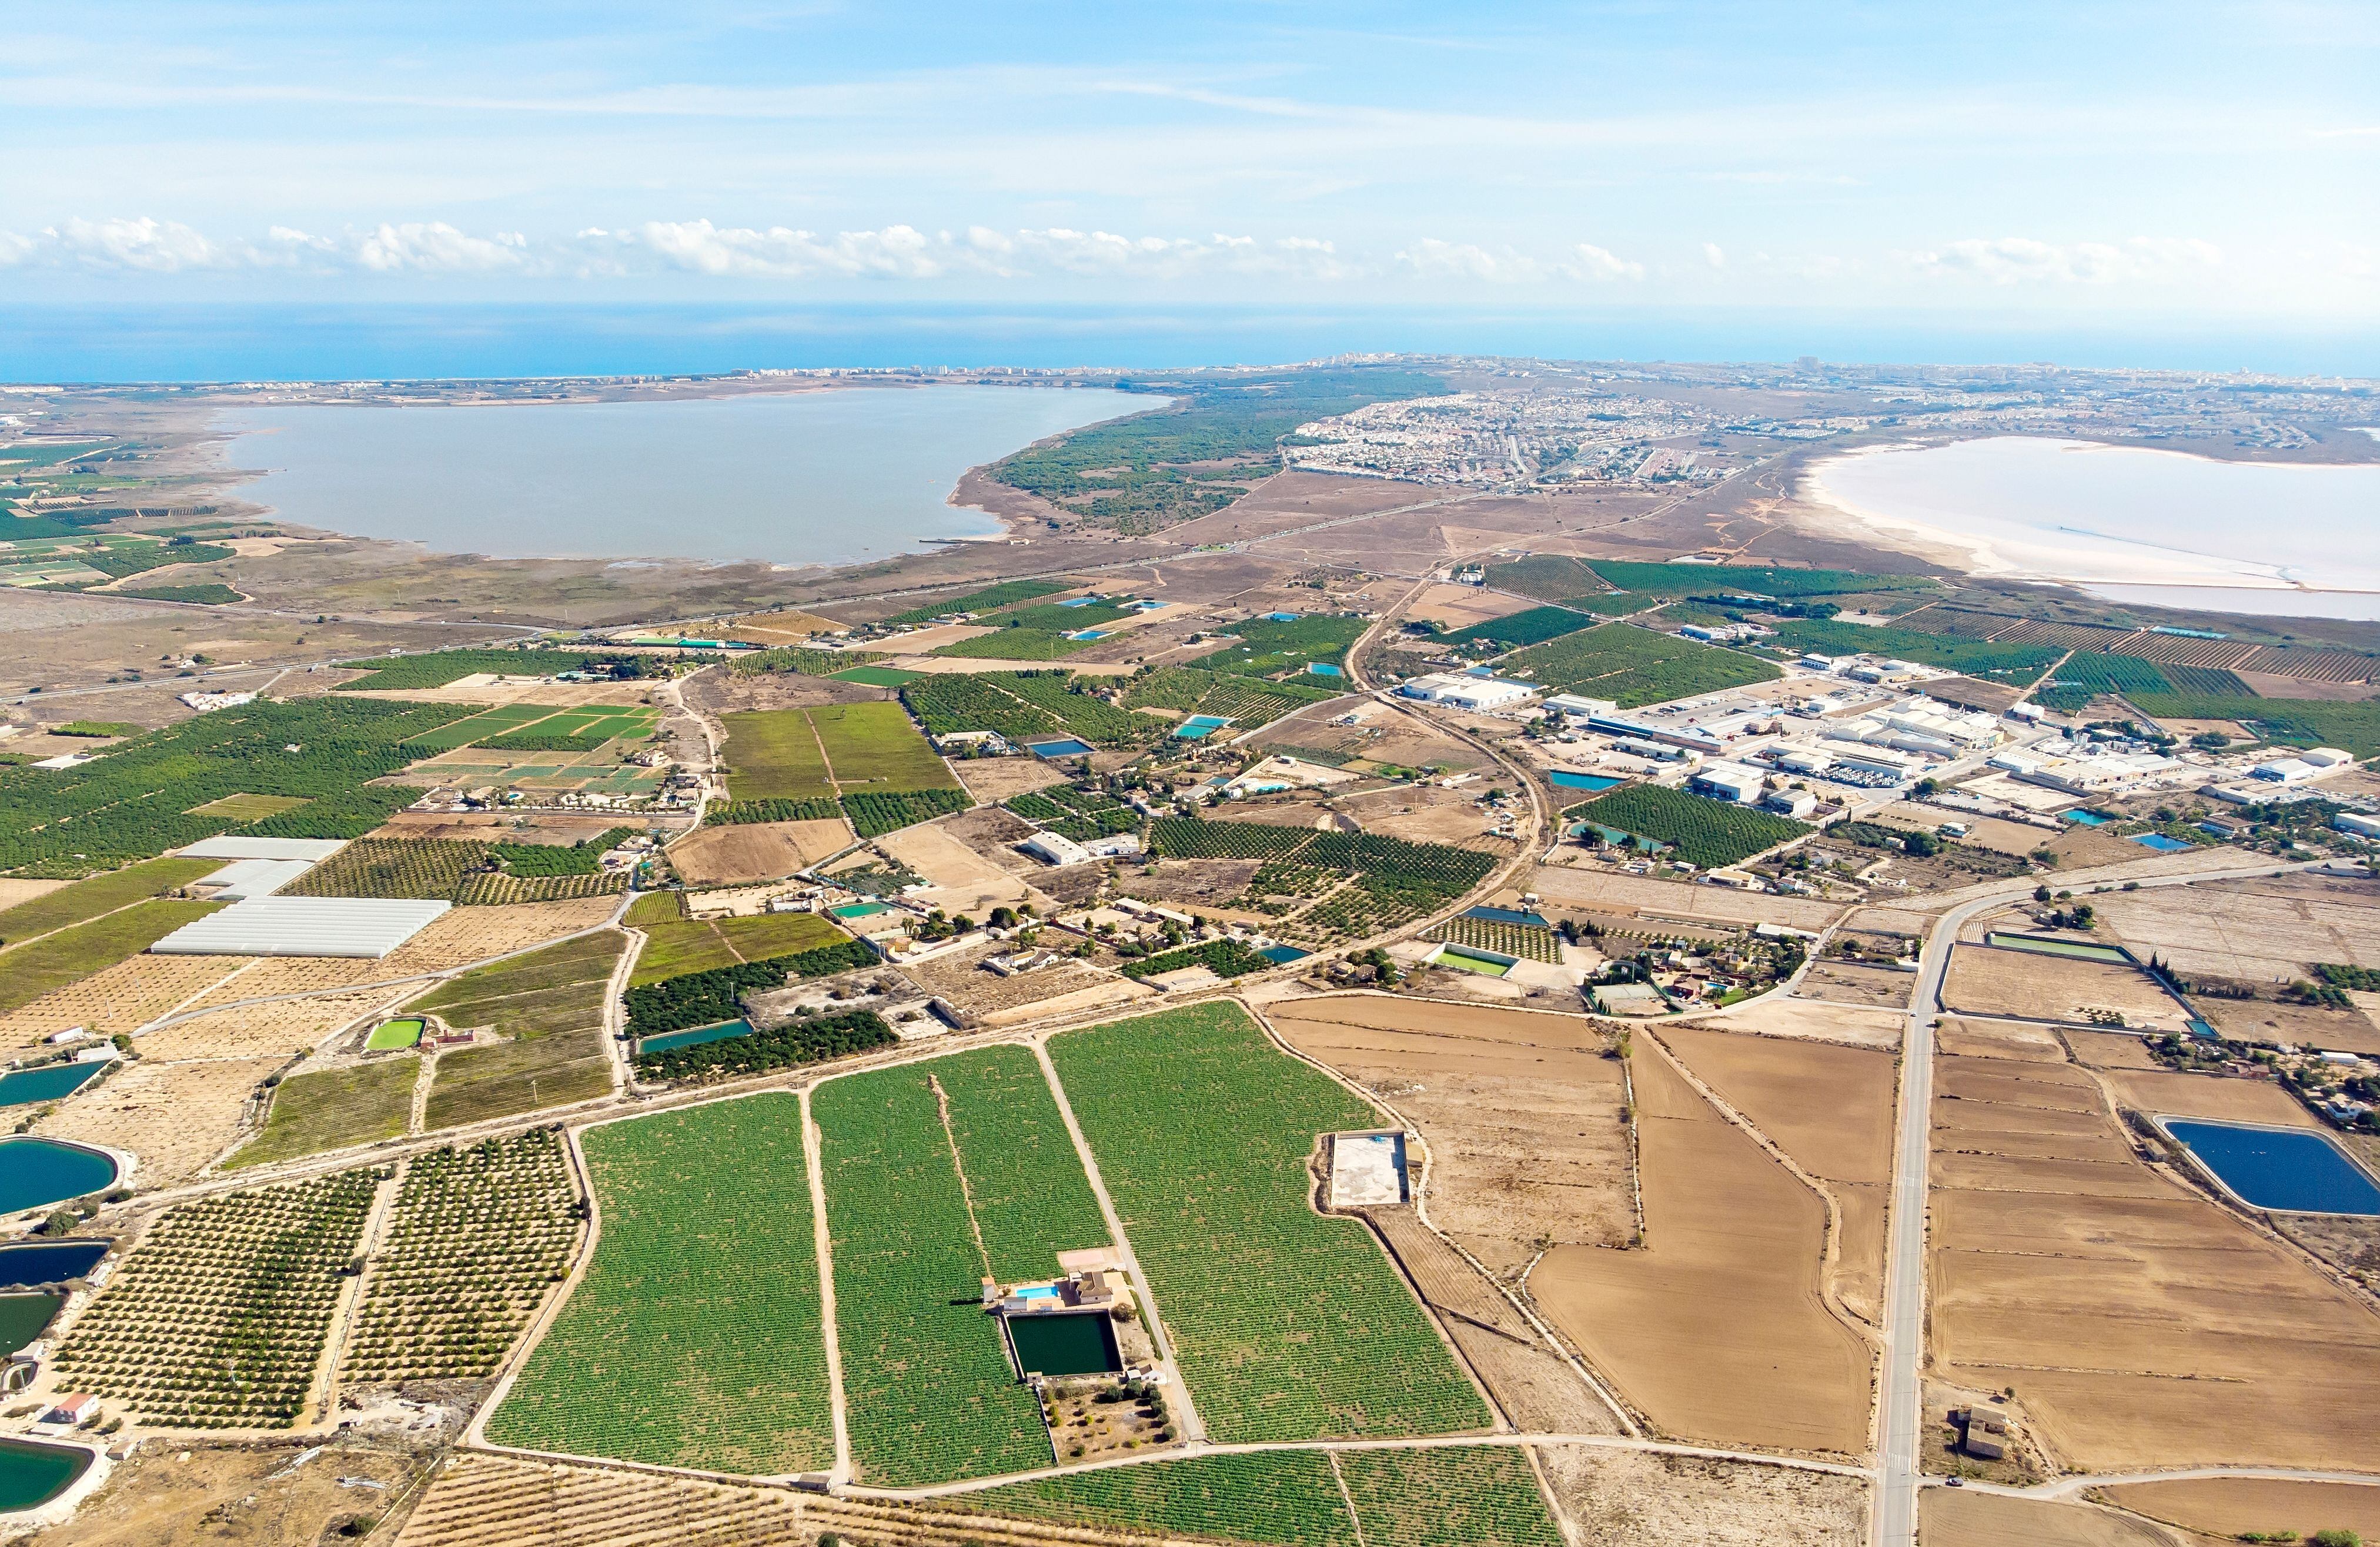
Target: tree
{"points": [[2041, 894]]}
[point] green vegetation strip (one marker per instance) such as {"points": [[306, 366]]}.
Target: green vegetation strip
{"points": [[1032, 1200], [817, 808], [787, 1045], [703, 998], [439, 667], [2020, 665], [333, 1111], [1633, 666], [1532, 627], [679, 948], [1288, 1326], [695, 1339], [1008, 592], [1018, 705], [1268, 646], [31, 970], [2287, 721], [1284, 1497], [873, 813], [931, 1395], [86, 900], [1226, 959], [1704, 832]]}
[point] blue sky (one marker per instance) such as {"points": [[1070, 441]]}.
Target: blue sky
{"points": [[2039, 163]]}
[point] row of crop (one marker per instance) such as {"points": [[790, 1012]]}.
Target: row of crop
{"points": [[584, 858], [1247, 703], [139, 797], [1031, 1197], [1271, 646], [1633, 666], [818, 808], [1704, 832], [437, 668], [1534, 626], [789, 1045], [1523, 940], [875, 811], [706, 997], [2019, 665], [1007, 593], [1226, 959], [490, 888]]}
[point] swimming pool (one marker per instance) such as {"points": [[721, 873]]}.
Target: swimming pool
{"points": [[1199, 727], [2294, 1169], [696, 1037], [1324, 669], [2088, 818], [1078, 602], [46, 1084], [1282, 617], [1068, 748], [1284, 955], [859, 910], [1565, 780], [2160, 843], [35, 1172]]}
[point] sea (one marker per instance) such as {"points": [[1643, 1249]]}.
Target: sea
{"points": [[810, 478], [2131, 523]]}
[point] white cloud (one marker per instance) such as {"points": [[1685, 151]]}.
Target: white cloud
{"points": [[1431, 259], [438, 247], [784, 252], [150, 246], [1714, 255], [2022, 260], [1592, 263]]}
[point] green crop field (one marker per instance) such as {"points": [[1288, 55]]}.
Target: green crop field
{"points": [[930, 1391], [2018, 665], [1288, 1326], [876, 747], [1280, 1498], [1008, 592], [86, 900], [438, 668], [1475, 1496], [699, 945], [248, 808], [1022, 704], [1373, 883], [550, 1003], [1031, 1198], [310, 1113], [1704, 832], [1534, 626], [1247, 703], [1680, 580], [1266, 647], [31, 970], [1634, 666], [2352, 727], [695, 1339], [874, 676], [772, 754]]}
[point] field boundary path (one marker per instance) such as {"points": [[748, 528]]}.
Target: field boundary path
{"points": [[822, 1238]]}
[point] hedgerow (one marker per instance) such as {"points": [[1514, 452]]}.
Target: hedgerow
{"points": [[703, 998], [1228, 959], [818, 808], [875, 811], [784, 1046]]}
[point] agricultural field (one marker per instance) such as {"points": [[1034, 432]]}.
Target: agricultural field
{"points": [[333, 1109], [1522, 1111], [2285, 722], [1680, 580], [2018, 665], [1363, 884], [1287, 1326], [1724, 1225], [248, 808], [176, 1117], [550, 1004], [538, 728], [991, 599], [475, 1240], [1704, 833], [683, 1194], [218, 1317], [786, 1046], [1288, 1497], [85, 901], [503, 889], [414, 867], [2085, 676], [1031, 1198], [772, 754], [281, 1027], [1247, 704], [1270, 647], [1518, 630], [874, 813], [1620, 1498], [1225, 959], [732, 852], [1075, 812], [437, 668], [1633, 667], [1526, 941], [709, 997], [1037, 632], [931, 1394], [685, 946], [1018, 705], [70, 955]]}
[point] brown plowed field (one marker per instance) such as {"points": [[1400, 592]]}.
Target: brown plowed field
{"points": [[739, 853], [1964, 1518], [2111, 1051], [2224, 1098], [1621, 1498], [2140, 1324], [1716, 1329], [1521, 1111], [1986, 981], [2257, 929], [2227, 1506], [1978, 1039]]}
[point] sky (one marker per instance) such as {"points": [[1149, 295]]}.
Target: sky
{"points": [[2046, 165]]}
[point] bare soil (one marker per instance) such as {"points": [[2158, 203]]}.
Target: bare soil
{"points": [[2227, 1506], [187, 1493], [2258, 930], [996, 778], [744, 853], [961, 880], [1784, 1015], [1590, 884], [2222, 1097], [1961, 1518], [1621, 1498], [1983, 980], [1846, 983]]}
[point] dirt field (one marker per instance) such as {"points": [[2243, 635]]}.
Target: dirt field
{"points": [[2226, 1506], [1621, 1498], [1716, 1329], [254, 1030], [1986, 981], [1979, 1039], [13, 892], [2111, 1050], [1196, 886], [1426, 814], [961, 880], [1831, 1109], [1845, 982], [1983, 833], [960, 978], [1596, 886], [996, 778], [1460, 606], [2140, 1324], [178, 1493], [519, 691], [487, 827], [118, 998], [2258, 930], [1957, 1517], [1521, 1111], [177, 1117], [1786, 1015], [2206, 1095], [2343, 1030], [742, 853]]}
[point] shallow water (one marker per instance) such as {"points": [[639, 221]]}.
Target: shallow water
{"points": [[2138, 525], [790, 478]]}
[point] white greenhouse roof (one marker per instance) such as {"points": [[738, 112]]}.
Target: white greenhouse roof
{"points": [[367, 926], [245, 879], [233, 847]]}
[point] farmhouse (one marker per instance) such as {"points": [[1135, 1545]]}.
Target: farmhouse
{"points": [[1055, 848]]}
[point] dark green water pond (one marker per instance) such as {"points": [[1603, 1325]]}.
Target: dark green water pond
{"points": [[32, 1474], [1083, 1343], [23, 1317]]}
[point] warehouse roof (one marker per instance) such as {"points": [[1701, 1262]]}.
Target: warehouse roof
{"points": [[366, 926], [231, 846], [245, 879]]}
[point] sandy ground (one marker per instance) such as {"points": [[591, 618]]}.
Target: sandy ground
{"points": [[2008, 1039], [185, 1494], [1594, 885], [2140, 1324], [2208, 1095], [960, 978], [177, 1117], [1831, 1109], [2319, 1026], [1784, 1015], [1716, 1329], [12, 891], [2110, 1050], [1983, 833], [1953, 1517], [742, 853], [1621, 1498], [2227, 1506], [118, 998], [2256, 930], [254, 1030], [1844, 983], [962, 881], [1521, 1111], [1986, 981], [1461, 606], [996, 778], [921, 640]]}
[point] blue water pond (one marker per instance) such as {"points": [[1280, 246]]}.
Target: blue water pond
{"points": [[2280, 1168]]}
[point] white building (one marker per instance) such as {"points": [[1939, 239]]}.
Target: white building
{"points": [[1466, 692], [2325, 757], [1806, 762], [2358, 824], [1729, 781], [2285, 770], [1055, 848], [1796, 803], [1584, 709]]}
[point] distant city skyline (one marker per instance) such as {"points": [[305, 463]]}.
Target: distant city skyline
{"points": [[2101, 167]]}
